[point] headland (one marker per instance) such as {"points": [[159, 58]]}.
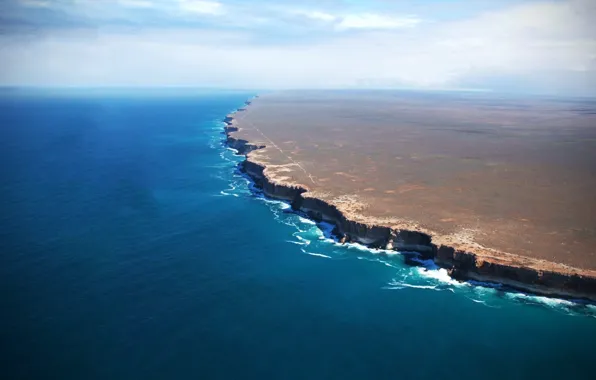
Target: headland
{"points": [[494, 190]]}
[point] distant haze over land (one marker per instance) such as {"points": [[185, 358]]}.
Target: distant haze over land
{"points": [[546, 47]]}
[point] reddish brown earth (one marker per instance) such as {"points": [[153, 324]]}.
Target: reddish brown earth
{"points": [[510, 182]]}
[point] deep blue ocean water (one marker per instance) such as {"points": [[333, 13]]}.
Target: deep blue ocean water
{"points": [[132, 249]]}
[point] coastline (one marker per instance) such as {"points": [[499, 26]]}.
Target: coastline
{"points": [[463, 261]]}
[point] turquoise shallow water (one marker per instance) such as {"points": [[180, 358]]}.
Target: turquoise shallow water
{"points": [[131, 248]]}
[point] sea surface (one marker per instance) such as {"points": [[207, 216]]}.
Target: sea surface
{"points": [[132, 248]]}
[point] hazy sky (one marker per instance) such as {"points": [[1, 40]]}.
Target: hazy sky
{"points": [[534, 46]]}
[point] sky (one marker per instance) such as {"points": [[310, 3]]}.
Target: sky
{"points": [[545, 47]]}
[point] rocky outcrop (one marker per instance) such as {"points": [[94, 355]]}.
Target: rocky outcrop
{"points": [[478, 263], [242, 146]]}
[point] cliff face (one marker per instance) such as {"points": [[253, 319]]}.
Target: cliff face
{"points": [[242, 146], [270, 188], [524, 274], [464, 265]]}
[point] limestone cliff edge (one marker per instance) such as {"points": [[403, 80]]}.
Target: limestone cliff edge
{"points": [[463, 260]]}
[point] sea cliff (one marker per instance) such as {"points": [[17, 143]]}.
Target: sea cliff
{"points": [[463, 261]]}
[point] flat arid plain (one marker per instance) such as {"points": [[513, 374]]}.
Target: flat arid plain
{"points": [[512, 176]]}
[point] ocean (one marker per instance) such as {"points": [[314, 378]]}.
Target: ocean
{"points": [[132, 248]]}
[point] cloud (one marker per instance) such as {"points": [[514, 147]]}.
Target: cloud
{"points": [[137, 3], [375, 21], [202, 7], [36, 3], [361, 21], [317, 15], [540, 46]]}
